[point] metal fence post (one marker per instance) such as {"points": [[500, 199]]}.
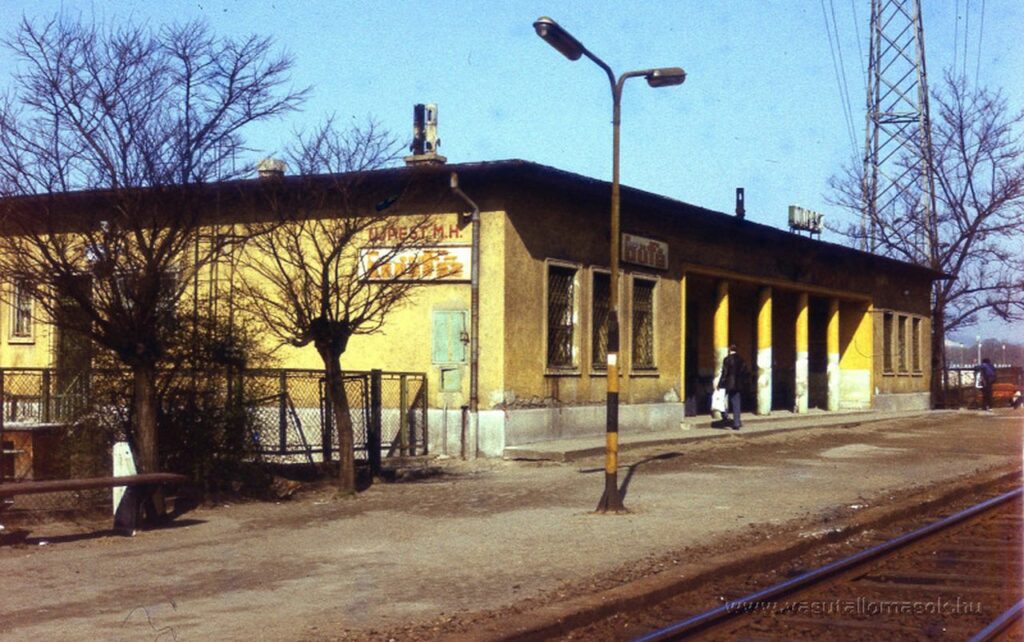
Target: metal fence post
{"points": [[373, 431], [45, 396], [403, 419], [282, 410], [425, 410], [326, 422], [409, 417]]}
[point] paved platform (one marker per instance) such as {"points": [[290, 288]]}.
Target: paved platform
{"points": [[700, 428], [483, 549]]}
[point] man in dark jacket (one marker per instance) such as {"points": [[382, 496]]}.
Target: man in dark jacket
{"points": [[734, 373], [987, 375]]}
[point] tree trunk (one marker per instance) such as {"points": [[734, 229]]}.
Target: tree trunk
{"points": [[342, 421], [144, 402]]}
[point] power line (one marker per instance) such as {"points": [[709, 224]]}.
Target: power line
{"points": [[956, 34], [840, 79], [846, 85], [981, 30], [860, 49], [967, 31]]}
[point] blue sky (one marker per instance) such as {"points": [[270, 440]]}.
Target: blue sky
{"points": [[760, 108]]}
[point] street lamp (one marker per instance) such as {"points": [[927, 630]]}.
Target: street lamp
{"points": [[978, 339], [1004, 355], [568, 46]]}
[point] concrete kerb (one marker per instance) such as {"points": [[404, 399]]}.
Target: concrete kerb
{"points": [[561, 618], [572, 450]]}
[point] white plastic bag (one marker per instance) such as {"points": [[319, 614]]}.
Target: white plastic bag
{"points": [[718, 402]]}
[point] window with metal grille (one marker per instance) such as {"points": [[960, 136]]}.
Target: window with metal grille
{"points": [[601, 307], [901, 342], [643, 324], [915, 344], [21, 321], [561, 315], [887, 342]]}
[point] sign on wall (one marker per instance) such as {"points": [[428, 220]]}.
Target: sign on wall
{"points": [[640, 250], [448, 263], [435, 229]]}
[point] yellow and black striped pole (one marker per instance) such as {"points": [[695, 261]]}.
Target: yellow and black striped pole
{"points": [[568, 46], [611, 499]]}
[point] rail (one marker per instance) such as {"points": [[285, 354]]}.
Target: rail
{"points": [[736, 608]]}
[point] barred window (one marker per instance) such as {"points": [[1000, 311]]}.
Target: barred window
{"points": [[21, 313], [887, 342], [915, 344], [561, 316], [901, 342], [601, 307], [643, 324]]}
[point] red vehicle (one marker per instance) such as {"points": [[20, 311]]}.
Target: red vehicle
{"points": [[1008, 388]]}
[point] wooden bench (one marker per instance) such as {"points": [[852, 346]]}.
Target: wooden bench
{"points": [[139, 494]]}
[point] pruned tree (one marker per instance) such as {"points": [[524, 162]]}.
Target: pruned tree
{"points": [[107, 138], [975, 235], [312, 274]]}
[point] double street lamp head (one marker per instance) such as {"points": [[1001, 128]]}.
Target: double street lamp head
{"points": [[553, 34]]}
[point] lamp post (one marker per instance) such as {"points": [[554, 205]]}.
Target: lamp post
{"points": [[553, 34], [978, 339], [1004, 355]]}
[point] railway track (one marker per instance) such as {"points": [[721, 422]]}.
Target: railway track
{"points": [[959, 578]]}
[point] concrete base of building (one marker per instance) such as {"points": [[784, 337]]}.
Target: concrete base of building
{"points": [[455, 434], [903, 401], [497, 429]]}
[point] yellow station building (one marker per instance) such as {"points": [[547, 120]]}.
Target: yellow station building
{"points": [[821, 325]]}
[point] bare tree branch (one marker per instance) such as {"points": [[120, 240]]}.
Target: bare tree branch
{"points": [[136, 120], [315, 275], [978, 166]]}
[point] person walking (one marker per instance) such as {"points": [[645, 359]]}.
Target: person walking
{"points": [[734, 372], [987, 377]]}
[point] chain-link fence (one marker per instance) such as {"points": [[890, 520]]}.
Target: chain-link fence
{"points": [[54, 426], [959, 388], [388, 411]]}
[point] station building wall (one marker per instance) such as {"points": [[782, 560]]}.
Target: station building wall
{"points": [[817, 327]]}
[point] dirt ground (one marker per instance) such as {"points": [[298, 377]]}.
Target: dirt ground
{"points": [[436, 556]]}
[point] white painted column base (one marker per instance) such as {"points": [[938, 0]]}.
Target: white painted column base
{"points": [[833, 381], [802, 390], [764, 381]]}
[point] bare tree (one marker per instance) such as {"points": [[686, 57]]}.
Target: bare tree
{"points": [[318, 275], [975, 235], [107, 138]]}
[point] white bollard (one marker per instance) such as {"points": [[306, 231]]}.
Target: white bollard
{"points": [[124, 464]]}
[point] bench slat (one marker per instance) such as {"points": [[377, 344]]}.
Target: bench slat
{"points": [[58, 485]]}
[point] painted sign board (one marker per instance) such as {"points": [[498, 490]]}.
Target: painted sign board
{"points": [[439, 229], [449, 263], [640, 250]]}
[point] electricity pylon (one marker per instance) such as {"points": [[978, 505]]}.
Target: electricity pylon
{"points": [[899, 188]]}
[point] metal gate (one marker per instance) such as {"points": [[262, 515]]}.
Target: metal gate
{"points": [[388, 412]]}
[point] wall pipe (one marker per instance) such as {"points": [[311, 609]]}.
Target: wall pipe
{"points": [[474, 312]]}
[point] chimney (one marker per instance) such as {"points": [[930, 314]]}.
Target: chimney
{"points": [[424, 137], [741, 211], [271, 168]]}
